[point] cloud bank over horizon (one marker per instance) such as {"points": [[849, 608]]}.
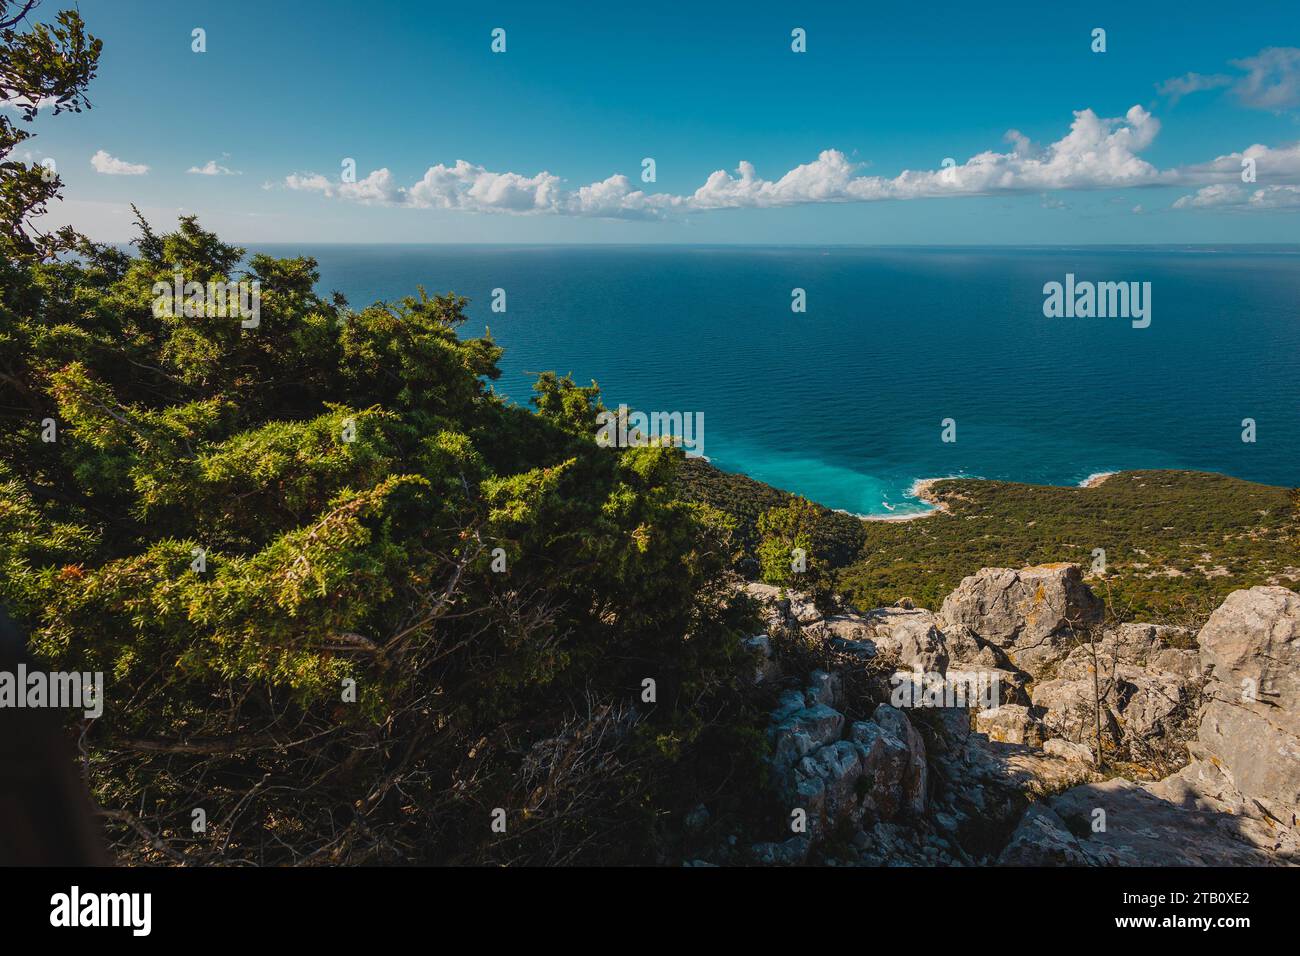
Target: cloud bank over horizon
{"points": [[1096, 153]]}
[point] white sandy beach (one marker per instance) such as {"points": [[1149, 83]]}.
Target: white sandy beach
{"points": [[1093, 480], [920, 489]]}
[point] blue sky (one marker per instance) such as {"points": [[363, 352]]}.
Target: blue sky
{"points": [[847, 141]]}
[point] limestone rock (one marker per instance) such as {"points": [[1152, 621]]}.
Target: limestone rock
{"points": [[1183, 663], [825, 688], [804, 731], [885, 760], [907, 634], [766, 667], [1261, 759], [914, 778], [1250, 647], [1010, 724], [1133, 646], [839, 767], [963, 648], [1253, 640], [1151, 705], [1117, 822], [1026, 614], [1042, 839], [1070, 711], [1068, 750]]}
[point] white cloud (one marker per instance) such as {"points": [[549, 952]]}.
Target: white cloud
{"points": [[465, 186], [213, 168], [312, 182], [378, 187], [1281, 164], [1096, 153], [1237, 197], [471, 188], [1272, 80], [112, 166], [1179, 86]]}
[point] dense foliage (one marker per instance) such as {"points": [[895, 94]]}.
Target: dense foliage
{"points": [[837, 537], [241, 525], [785, 544], [42, 66]]}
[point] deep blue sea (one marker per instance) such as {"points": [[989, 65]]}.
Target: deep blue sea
{"points": [[844, 403]]}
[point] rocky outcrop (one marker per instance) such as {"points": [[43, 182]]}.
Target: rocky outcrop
{"points": [[1030, 617], [1120, 823], [1010, 724], [1262, 760], [877, 777], [1236, 804], [872, 770], [1251, 649], [906, 635], [1012, 780], [1149, 694]]}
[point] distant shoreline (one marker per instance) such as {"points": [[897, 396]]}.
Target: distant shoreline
{"points": [[922, 489], [1093, 480]]}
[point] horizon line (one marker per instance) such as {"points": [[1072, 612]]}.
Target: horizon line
{"points": [[765, 245]]}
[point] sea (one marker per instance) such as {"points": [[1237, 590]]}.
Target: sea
{"points": [[905, 363]]}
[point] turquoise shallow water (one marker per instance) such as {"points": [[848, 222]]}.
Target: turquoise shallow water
{"points": [[844, 403]]}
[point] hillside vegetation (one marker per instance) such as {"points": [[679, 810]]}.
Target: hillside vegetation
{"points": [[838, 539], [1176, 542], [348, 602]]}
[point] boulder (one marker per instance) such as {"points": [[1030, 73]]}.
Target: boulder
{"points": [[1068, 750], [914, 778], [980, 689], [839, 767], [885, 761], [1133, 649], [824, 688], [1151, 705], [1042, 839], [847, 627], [1204, 785], [1138, 707], [963, 648], [1261, 759], [1182, 663], [1010, 724], [1032, 616], [1069, 711], [1252, 642], [1250, 729], [1119, 823], [909, 635], [803, 731], [789, 702], [803, 610]]}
